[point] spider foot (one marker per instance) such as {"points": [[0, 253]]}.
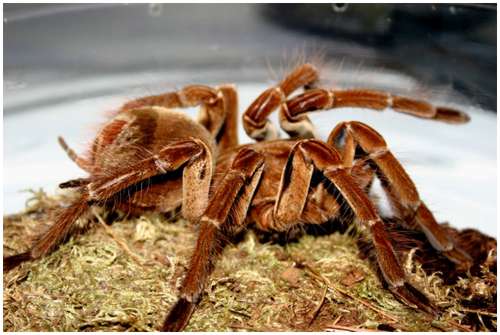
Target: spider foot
{"points": [[460, 257], [451, 115], [11, 262], [412, 297], [179, 316]]}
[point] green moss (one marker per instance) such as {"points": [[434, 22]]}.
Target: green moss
{"points": [[124, 277]]}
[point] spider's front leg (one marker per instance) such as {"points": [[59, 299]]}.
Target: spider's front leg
{"points": [[314, 153], [232, 195], [293, 112], [197, 174], [403, 194], [255, 118]]}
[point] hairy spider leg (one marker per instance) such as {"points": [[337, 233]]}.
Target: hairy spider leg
{"points": [[218, 108], [238, 187], [294, 121], [402, 192], [80, 161], [197, 175], [255, 118], [224, 217], [325, 159]]}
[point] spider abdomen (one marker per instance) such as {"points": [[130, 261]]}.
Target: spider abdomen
{"points": [[135, 135]]}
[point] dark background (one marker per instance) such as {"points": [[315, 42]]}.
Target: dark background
{"points": [[440, 45]]}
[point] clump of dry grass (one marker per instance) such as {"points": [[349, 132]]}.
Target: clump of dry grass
{"points": [[124, 277]]}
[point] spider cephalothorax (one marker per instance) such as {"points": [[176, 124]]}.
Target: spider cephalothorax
{"points": [[152, 157]]}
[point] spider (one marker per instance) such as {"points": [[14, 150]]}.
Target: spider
{"points": [[152, 157]]}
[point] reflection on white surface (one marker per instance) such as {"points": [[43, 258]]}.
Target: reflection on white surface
{"points": [[454, 167]]}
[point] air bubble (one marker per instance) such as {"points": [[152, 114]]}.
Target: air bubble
{"points": [[339, 7], [155, 9]]}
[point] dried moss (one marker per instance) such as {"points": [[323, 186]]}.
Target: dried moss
{"points": [[124, 277]]}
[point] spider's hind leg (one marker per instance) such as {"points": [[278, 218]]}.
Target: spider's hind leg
{"points": [[79, 182], [52, 237], [218, 108], [191, 155], [81, 162]]}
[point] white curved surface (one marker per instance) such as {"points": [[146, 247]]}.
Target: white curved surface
{"points": [[454, 167]]}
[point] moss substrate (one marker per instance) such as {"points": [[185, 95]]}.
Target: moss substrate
{"points": [[124, 277]]}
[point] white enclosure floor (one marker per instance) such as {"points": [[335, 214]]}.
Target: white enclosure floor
{"points": [[454, 167]]}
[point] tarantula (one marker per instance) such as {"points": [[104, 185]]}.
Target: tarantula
{"points": [[151, 157]]}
